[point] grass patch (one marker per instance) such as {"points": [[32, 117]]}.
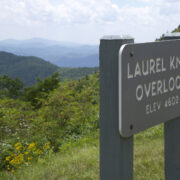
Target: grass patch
{"points": [[149, 154], [149, 160], [79, 160]]}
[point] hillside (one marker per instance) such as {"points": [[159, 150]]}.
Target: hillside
{"points": [[75, 73], [27, 69], [59, 53]]}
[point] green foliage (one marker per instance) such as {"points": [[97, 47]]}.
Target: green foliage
{"points": [[39, 92], [53, 112], [76, 73], [70, 110], [67, 121], [177, 29], [10, 88], [154, 132], [161, 38], [24, 154], [26, 68], [79, 159]]}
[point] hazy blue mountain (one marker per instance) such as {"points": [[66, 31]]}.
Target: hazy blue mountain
{"points": [[64, 54], [35, 41]]}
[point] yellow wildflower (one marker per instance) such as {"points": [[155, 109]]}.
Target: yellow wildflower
{"points": [[13, 171], [47, 146], [29, 158], [26, 153], [8, 158], [18, 148], [12, 161], [8, 168], [39, 151], [32, 146], [17, 144], [17, 160]]}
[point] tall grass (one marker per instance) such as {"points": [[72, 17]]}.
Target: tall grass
{"points": [[79, 160]]}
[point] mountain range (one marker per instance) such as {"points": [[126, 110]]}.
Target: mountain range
{"points": [[29, 68], [63, 54], [26, 68]]}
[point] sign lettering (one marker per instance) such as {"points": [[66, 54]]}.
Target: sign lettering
{"points": [[149, 85]]}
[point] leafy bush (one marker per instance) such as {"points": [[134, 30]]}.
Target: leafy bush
{"points": [[23, 154], [10, 88], [34, 94], [64, 110]]}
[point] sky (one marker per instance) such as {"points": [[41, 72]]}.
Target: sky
{"points": [[86, 21]]}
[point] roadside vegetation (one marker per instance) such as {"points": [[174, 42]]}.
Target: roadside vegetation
{"points": [[51, 131], [38, 120], [79, 159]]}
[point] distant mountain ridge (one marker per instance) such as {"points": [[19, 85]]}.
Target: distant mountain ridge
{"points": [[29, 68], [64, 54]]}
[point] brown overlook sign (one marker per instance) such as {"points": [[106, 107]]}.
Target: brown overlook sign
{"points": [[149, 85]]}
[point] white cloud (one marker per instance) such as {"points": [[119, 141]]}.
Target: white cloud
{"points": [[69, 11], [84, 11], [146, 18]]}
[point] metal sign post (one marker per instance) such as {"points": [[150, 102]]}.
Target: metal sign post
{"points": [[172, 137], [139, 88], [116, 152]]}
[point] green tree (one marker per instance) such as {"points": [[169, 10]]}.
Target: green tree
{"points": [[177, 29], [10, 88], [174, 31], [36, 93]]}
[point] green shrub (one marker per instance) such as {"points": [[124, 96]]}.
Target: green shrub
{"points": [[64, 111]]}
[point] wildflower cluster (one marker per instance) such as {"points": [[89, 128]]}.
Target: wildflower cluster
{"points": [[24, 155]]}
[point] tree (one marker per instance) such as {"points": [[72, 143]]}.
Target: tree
{"points": [[177, 29], [10, 88], [163, 35], [39, 91]]}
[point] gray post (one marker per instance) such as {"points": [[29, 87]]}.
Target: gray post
{"points": [[172, 142], [116, 153], [172, 149]]}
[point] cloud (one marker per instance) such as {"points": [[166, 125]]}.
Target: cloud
{"points": [[137, 17], [69, 11], [85, 11], [169, 9]]}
